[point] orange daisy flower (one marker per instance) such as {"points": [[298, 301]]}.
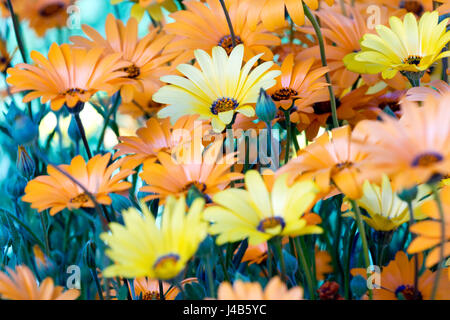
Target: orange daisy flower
{"points": [[272, 12], [43, 15], [142, 106], [436, 88], [156, 136], [397, 281], [148, 288], [68, 76], [207, 174], [342, 36], [143, 59], [323, 266], [410, 150], [5, 57], [274, 290], [204, 26], [331, 161], [22, 285], [57, 192], [429, 231], [297, 82]]}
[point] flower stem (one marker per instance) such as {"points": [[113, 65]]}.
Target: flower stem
{"points": [[44, 231], [210, 276], [302, 261], [17, 31], [161, 290], [443, 237], [230, 25], [111, 111], [287, 116], [279, 247], [82, 134], [416, 258], [97, 283], [362, 233], [323, 57]]}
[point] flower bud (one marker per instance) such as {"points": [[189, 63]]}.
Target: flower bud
{"points": [[24, 130], [266, 109], [25, 163], [408, 195], [73, 131], [16, 186], [89, 254]]}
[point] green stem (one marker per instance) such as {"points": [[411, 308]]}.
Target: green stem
{"points": [[287, 116], [17, 31], [416, 259], [44, 231], [161, 290], [279, 247], [111, 111], [302, 261], [362, 234], [323, 57], [443, 238], [210, 276], [82, 134], [97, 283], [230, 25]]}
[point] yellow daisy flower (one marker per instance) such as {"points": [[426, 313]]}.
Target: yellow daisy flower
{"points": [[260, 214], [217, 91], [408, 46], [142, 248], [386, 210]]}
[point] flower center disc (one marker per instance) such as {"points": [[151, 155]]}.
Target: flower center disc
{"points": [[408, 292], [51, 9], [413, 60], [150, 295], [81, 198], [199, 185], [227, 43], [223, 104], [74, 91], [284, 94], [427, 159], [166, 261], [133, 71], [268, 224], [412, 6]]}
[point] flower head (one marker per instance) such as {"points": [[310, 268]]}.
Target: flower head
{"points": [[259, 214], [406, 46], [143, 60], [220, 89], [428, 232], [68, 76], [410, 150], [57, 192], [208, 172], [386, 211], [331, 161], [204, 26], [141, 248], [274, 290], [397, 281], [20, 284]]}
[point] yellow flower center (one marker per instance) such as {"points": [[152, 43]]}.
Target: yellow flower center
{"points": [[167, 261], [133, 71], [427, 159], [223, 104], [81, 198], [284, 94], [150, 295], [413, 60], [408, 292], [74, 91], [412, 6], [341, 166], [268, 224], [51, 9], [227, 43], [199, 185]]}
